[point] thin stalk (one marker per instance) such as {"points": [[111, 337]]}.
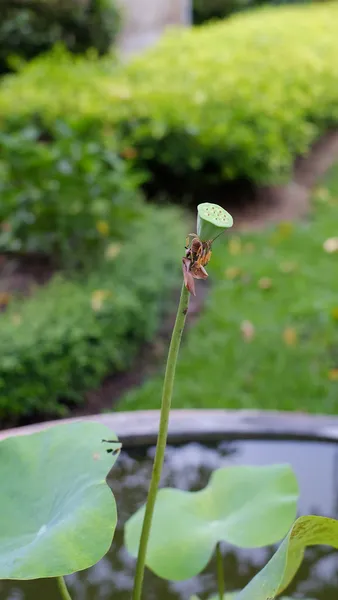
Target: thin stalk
{"points": [[161, 439], [220, 572], [63, 589]]}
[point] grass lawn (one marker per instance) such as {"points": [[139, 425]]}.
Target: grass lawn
{"points": [[268, 336]]}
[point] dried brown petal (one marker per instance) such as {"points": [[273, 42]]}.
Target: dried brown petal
{"points": [[188, 278], [199, 272]]}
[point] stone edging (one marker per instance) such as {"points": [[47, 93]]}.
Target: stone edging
{"points": [[140, 427]]}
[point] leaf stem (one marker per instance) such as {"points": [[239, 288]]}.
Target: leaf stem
{"points": [[220, 572], [63, 588], [168, 385]]}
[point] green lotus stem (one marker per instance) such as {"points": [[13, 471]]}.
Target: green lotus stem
{"points": [[63, 589], [220, 572], [168, 385]]}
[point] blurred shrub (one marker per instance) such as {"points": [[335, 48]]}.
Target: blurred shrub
{"points": [[29, 27], [64, 191], [241, 100], [206, 10], [62, 342]]}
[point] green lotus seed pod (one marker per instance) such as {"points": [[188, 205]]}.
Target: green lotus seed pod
{"points": [[211, 220]]}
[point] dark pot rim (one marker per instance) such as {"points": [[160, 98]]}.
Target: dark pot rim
{"points": [[139, 428]]}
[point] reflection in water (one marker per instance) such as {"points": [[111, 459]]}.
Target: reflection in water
{"points": [[189, 467]]}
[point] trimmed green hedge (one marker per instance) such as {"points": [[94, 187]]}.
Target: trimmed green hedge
{"points": [[64, 191], [60, 85], [62, 342], [29, 27], [64, 188], [241, 99]]}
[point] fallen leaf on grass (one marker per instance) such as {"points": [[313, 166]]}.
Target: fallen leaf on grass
{"points": [[265, 283], [333, 375], [322, 194], [247, 330], [288, 267], [235, 246], [16, 319], [331, 245], [129, 153], [233, 272], [4, 299], [112, 251], [290, 336]]}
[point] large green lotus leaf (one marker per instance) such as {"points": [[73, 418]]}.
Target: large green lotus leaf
{"points": [[57, 513], [245, 506], [232, 596], [225, 597], [280, 570], [216, 597]]}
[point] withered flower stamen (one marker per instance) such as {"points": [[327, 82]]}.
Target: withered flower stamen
{"points": [[197, 256]]}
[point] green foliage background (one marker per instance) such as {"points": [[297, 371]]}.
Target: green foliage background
{"points": [[29, 27], [62, 341]]}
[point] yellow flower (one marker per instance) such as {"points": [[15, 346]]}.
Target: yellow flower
{"points": [[103, 228], [97, 299]]}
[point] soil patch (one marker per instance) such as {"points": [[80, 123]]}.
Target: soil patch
{"points": [[272, 204], [20, 274]]}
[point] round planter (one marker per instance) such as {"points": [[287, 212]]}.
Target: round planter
{"points": [[199, 442], [140, 428]]}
